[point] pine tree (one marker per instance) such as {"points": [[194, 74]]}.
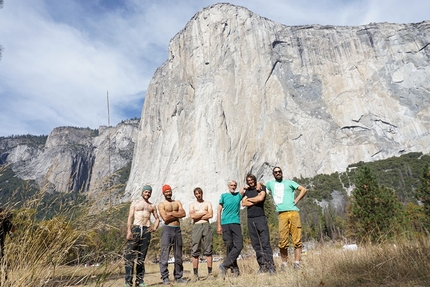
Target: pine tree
{"points": [[374, 211], [423, 194]]}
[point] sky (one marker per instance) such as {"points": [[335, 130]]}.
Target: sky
{"points": [[62, 59]]}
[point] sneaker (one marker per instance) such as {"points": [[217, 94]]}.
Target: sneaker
{"points": [[236, 271], [142, 284], [261, 271], [195, 278], [166, 281], [181, 280], [272, 271], [284, 266], [296, 265], [210, 276], [222, 270]]}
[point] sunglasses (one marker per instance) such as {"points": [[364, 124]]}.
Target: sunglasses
{"points": [[277, 171]]}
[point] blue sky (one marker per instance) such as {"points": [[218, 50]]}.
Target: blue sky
{"points": [[60, 58]]}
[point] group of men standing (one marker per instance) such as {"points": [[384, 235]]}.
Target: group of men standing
{"points": [[252, 196]]}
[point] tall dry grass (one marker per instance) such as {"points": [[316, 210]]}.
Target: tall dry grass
{"points": [[39, 250]]}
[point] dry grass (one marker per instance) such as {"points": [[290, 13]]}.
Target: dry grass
{"points": [[404, 264]]}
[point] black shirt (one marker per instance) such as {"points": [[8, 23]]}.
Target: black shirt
{"points": [[257, 209]]}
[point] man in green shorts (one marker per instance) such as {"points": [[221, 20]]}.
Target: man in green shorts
{"points": [[200, 212]]}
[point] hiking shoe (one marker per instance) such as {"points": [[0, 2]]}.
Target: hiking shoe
{"points": [[166, 281], [272, 271], [284, 266], [296, 265], [181, 280], [210, 276], [195, 278], [222, 270], [261, 271], [235, 271]]}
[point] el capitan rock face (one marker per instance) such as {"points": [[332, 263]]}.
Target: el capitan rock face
{"points": [[240, 93]]}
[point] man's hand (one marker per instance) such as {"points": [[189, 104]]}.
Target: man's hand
{"points": [[129, 235]]}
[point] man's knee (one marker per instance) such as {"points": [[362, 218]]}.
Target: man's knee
{"points": [[298, 245]]}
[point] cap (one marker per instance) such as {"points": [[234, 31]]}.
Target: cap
{"points": [[165, 188], [146, 187]]}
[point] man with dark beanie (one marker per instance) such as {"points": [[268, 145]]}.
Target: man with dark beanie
{"points": [[139, 236]]}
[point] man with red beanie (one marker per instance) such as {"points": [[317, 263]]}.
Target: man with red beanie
{"points": [[171, 211]]}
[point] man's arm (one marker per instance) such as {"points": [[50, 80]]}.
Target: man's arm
{"points": [[180, 213], [129, 235], [259, 198], [157, 220], [163, 213], [219, 228], [193, 214], [301, 194], [246, 202], [209, 213]]}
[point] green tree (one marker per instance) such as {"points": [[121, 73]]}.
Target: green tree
{"points": [[423, 195], [375, 211]]}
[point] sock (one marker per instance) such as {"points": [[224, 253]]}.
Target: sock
{"points": [[195, 271], [209, 270], [296, 262]]}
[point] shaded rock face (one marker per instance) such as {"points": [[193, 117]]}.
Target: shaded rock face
{"points": [[72, 159], [240, 93]]}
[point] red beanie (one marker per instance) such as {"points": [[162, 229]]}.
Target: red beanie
{"points": [[165, 188]]}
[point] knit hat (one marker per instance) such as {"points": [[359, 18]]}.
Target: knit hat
{"points": [[146, 187], [165, 188]]}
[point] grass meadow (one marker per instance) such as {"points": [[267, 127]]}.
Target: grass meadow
{"points": [[401, 264]]}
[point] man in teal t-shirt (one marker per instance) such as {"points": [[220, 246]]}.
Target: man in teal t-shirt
{"points": [[228, 217], [282, 192]]}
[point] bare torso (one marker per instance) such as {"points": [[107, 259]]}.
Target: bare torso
{"points": [[167, 210], [200, 208], [142, 213]]}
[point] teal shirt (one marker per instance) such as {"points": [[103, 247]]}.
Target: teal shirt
{"points": [[230, 203], [283, 194]]}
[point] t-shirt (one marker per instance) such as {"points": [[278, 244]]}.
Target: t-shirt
{"points": [[257, 209], [283, 194], [231, 208]]}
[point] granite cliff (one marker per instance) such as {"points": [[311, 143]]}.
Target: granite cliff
{"points": [[240, 93], [73, 159]]}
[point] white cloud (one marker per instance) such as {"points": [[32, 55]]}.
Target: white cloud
{"points": [[60, 58]]}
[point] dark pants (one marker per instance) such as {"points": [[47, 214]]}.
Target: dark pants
{"points": [[232, 236], [136, 250], [260, 239], [171, 236]]}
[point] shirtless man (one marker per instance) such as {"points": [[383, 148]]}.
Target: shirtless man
{"points": [[139, 236], [171, 211], [200, 213]]}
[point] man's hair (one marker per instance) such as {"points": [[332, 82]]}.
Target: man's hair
{"points": [[197, 189], [273, 169], [250, 175]]}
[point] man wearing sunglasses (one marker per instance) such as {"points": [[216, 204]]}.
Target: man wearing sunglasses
{"points": [[283, 192]]}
